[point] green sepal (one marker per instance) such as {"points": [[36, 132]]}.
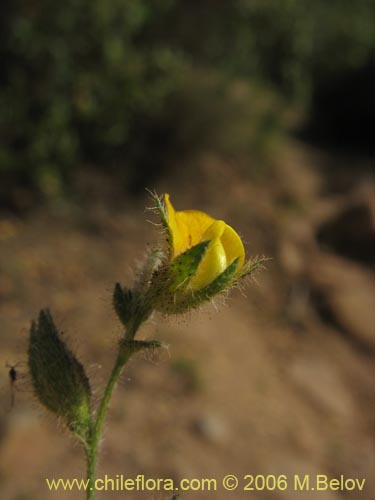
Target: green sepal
{"points": [[221, 282], [185, 265], [160, 206], [58, 378], [218, 285], [185, 299], [162, 211], [172, 279], [251, 266]]}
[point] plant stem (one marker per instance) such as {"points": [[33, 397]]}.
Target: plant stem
{"points": [[92, 447]]}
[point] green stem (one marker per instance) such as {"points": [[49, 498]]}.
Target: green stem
{"points": [[92, 447]]}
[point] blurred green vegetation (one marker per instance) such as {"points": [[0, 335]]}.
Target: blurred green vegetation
{"points": [[290, 44], [129, 84]]}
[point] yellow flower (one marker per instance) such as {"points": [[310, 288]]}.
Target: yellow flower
{"points": [[204, 258], [188, 228]]}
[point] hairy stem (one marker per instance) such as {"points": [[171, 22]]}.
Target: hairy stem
{"points": [[92, 447]]}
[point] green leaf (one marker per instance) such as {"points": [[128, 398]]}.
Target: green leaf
{"points": [[138, 345], [58, 378]]}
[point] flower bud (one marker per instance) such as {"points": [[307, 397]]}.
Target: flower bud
{"points": [[59, 379], [205, 257], [123, 302], [131, 308]]}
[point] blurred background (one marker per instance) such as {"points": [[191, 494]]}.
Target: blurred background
{"points": [[260, 113]]}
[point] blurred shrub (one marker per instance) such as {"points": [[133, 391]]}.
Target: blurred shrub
{"points": [[104, 81], [291, 44], [232, 116], [316, 54], [79, 81]]}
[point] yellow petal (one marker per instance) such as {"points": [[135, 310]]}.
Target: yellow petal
{"points": [[190, 227], [233, 246], [186, 227], [172, 224], [213, 263], [215, 230]]}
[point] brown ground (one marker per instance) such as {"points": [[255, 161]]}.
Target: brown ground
{"points": [[278, 381]]}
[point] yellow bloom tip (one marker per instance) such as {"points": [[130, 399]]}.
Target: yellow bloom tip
{"points": [[187, 228]]}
